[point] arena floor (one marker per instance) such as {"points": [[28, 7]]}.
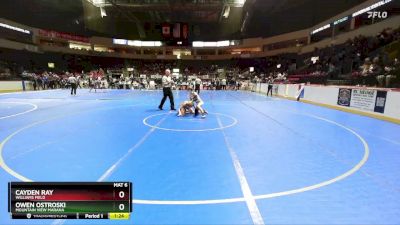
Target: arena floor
{"points": [[253, 160]]}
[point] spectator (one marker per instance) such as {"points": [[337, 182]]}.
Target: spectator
{"points": [[385, 79]]}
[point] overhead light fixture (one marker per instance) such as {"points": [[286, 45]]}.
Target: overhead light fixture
{"points": [[227, 10], [223, 43], [321, 29], [98, 3], [240, 3], [198, 44], [120, 41], [210, 44], [103, 12], [202, 44], [244, 22], [14, 28], [314, 59], [135, 43], [138, 43], [341, 20]]}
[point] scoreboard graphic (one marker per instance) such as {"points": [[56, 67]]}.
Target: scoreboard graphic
{"points": [[70, 200]]}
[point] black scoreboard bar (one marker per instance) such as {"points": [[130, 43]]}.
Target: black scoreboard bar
{"points": [[70, 200]]}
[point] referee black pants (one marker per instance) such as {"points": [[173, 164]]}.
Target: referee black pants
{"points": [[269, 90], [167, 93], [197, 88], [73, 89]]}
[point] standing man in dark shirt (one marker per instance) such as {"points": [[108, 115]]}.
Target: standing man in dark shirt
{"points": [[35, 82], [270, 83], [167, 85]]}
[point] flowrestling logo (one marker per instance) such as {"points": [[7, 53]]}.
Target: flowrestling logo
{"points": [[376, 14]]}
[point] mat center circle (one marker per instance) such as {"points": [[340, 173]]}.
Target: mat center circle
{"points": [[171, 122], [12, 109]]}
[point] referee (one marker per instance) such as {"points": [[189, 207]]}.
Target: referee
{"points": [[197, 83], [73, 82], [167, 84]]}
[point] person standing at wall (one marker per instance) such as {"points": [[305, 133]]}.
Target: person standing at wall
{"points": [[270, 83]]}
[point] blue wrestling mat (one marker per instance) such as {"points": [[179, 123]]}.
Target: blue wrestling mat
{"points": [[253, 160]]}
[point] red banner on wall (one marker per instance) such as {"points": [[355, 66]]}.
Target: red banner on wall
{"points": [[185, 31], [61, 35], [166, 30], [177, 30]]}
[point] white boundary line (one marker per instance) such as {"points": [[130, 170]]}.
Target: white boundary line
{"points": [[111, 170], [194, 130], [30, 150], [272, 98], [276, 194], [331, 181], [188, 202], [140, 142], [217, 201], [379, 137], [9, 137], [244, 185], [27, 92], [18, 114]]}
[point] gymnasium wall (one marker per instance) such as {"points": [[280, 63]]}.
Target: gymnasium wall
{"points": [[374, 102], [11, 86]]}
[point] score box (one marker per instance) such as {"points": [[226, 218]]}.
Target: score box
{"points": [[70, 200]]}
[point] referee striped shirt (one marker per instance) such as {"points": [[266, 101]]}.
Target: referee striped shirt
{"points": [[167, 81]]}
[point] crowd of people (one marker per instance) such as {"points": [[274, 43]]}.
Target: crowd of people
{"points": [[49, 80], [354, 57], [375, 73], [100, 79], [361, 60]]}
